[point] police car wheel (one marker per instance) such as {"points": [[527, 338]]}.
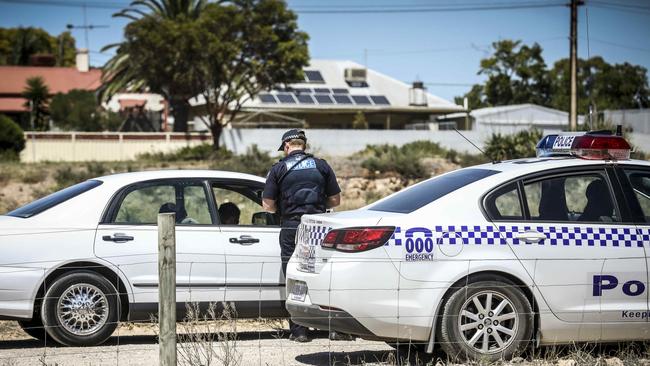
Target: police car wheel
{"points": [[486, 321], [80, 309]]}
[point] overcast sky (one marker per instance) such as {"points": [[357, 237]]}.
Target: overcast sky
{"points": [[412, 39]]}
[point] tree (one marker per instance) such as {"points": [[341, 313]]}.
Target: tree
{"points": [[518, 74], [606, 86], [37, 94], [12, 138], [165, 66], [226, 55], [18, 45], [250, 46], [78, 110]]}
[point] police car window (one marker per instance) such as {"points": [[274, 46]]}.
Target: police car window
{"points": [[640, 182], [571, 198], [504, 204], [430, 190]]}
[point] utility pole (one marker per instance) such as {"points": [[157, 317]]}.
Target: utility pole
{"points": [[573, 112]]}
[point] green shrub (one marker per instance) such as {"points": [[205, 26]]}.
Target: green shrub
{"points": [[405, 160], [506, 147], [12, 139], [68, 175], [189, 153]]}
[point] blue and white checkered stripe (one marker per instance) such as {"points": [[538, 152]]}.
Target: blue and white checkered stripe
{"points": [[308, 238], [587, 236]]}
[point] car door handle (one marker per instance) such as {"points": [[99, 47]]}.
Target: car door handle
{"points": [[117, 238], [530, 236], [244, 240]]}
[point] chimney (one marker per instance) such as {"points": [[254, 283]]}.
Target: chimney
{"points": [[83, 62], [418, 94]]}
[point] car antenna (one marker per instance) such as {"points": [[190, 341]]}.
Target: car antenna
{"points": [[494, 161]]}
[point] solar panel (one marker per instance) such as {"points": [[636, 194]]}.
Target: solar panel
{"points": [[323, 99], [342, 99], [340, 91], [302, 90], [286, 98], [313, 76], [322, 90], [305, 99], [361, 99], [379, 99], [267, 98]]}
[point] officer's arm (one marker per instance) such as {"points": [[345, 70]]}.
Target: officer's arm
{"points": [[269, 205], [333, 201]]}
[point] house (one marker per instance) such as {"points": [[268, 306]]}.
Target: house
{"points": [[510, 119], [332, 94], [58, 80]]}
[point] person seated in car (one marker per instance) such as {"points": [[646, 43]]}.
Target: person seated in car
{"points": [[229, 213]]}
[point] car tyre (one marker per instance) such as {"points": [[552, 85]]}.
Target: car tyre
{"points": [[33, 328], [80, 309], [486, 321]]}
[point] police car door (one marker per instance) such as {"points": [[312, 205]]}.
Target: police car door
{"points": [[635, 181], [254, 279], [574, 243]]}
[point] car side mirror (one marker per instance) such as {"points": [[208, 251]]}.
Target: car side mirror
{"points": [[265, 218]]}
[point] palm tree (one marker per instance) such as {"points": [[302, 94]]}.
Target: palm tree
{"points": [[37, 93], [118, 75]]}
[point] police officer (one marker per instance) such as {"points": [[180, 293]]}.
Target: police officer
{"points": [[298, 184]]}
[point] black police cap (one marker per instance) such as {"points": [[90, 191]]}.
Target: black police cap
{"points": [[291, 135]]}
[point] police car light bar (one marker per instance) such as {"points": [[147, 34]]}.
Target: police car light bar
{"points": [[591, 146]]}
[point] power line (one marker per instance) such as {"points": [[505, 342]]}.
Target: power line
{"points": [[513, 6]]}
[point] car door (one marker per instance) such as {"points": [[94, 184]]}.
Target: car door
{"points": [[576, 246], [250, 236], [636, 185], [128, 238]]}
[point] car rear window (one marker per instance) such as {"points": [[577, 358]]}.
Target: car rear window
{"points": [[428, 191], [53, 199]]}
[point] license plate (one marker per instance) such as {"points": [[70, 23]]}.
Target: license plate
{"points": [[298, 291]]}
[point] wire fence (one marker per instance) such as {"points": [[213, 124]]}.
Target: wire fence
{"points": [[208, 336]]}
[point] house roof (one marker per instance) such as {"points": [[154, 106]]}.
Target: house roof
{"points": [[57, 79], [517, 114], [13, 105], [380, 93]]}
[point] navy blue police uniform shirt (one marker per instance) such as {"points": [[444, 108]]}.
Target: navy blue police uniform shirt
{"points": [[273, 189]]}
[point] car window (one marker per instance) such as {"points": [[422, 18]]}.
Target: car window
{"points": [[571, 198], [142, 205], [47, 202], [430, 190], [640, 181], [240, 205], [504, 204]]}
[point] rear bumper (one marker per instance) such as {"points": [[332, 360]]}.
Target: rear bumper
{"points": [[339, 321]]}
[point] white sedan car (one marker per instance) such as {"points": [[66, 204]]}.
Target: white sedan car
{"points": [[77, 262], [484, 260]]}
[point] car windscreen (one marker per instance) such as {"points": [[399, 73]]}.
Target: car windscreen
{"points": [[428, 191], [53, 199]]}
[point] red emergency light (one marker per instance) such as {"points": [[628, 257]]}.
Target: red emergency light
{"points": [[590, 146]]}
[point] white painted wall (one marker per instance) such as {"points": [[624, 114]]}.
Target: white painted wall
{"points": [[126, 146]]}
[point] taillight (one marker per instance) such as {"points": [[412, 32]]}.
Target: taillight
{"points": [[357, 239]]}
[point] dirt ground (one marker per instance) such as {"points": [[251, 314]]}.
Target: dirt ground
{"points": [[257, 343]]}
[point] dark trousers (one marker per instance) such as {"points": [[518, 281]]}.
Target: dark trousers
{"points": [[287, 246]]}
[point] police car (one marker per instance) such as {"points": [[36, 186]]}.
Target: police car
{"points": [[77, 262], [486, 260]]}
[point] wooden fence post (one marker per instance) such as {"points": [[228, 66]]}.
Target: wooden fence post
{"points": [[167, 288]]}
